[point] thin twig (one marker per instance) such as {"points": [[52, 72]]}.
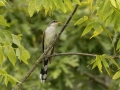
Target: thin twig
{"points": [[96, 79], [40, 58], [71, 53], [77, 53]]}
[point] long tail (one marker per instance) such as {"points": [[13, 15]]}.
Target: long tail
{"points": [[43, 72]]}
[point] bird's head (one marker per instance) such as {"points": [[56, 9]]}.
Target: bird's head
{"points": [[54, 23]]}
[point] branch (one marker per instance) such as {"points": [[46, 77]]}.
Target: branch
{"points": [[77, 53], [42, 56], [71, 53], [96, 80]]}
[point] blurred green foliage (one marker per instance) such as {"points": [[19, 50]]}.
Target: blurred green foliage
{"points": [[65, 72]]}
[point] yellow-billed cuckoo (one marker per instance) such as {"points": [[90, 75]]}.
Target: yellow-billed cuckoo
{"points": [[48, 36]]}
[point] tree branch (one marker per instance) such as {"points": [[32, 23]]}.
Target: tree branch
{"points": [[71, 53], [76, 53], [96, 80], [41, 57]]}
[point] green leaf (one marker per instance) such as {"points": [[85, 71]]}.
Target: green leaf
{"points": [[103, 14], [115, 18], [117, 75], [109, 19], [107, 14], [68, 82], [5, 79], [95, 33], [38, 5], [94, 64], [113, 3], [114, 61], [91, 2], [81, 20], [118, 4], [69, 4], [24, 55], [118, 45], [2, 3], [12, 79], [117, 24], [2, 72], [97, 27], [1, 78], [5, 50], [87, 29], [107, 31], [59, 4], [2, 36], [3, 21], [8, 37], [116, 9], [77, 1], [16, 39], [105, 63], [56, 73], [45, 4], [46, 11], [111, 58], [105, 5], [51, 5], [99, 64], [98, 30], [1, 55], [11, 55], [31, 7], [63, 67], [9, 51], [18, 53]]}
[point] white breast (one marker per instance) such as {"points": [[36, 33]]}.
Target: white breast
{"points": [[50, 33]]}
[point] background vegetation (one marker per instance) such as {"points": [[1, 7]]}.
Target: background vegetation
{"points": [[97, 21]]}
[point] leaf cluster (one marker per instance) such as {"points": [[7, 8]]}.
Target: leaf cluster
{"points": [[10, 49]]}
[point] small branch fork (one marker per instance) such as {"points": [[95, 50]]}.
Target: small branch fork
{"points": [[43, 55]]}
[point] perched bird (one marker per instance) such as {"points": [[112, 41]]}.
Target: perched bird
{"points": [[48, 36]]}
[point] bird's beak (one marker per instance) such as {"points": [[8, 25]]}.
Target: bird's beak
{"points": [[58, 22]]}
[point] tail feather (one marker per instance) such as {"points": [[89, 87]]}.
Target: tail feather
{"points": [[43, 72]]}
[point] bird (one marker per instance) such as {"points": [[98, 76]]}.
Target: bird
{"points": [[48, 36]]}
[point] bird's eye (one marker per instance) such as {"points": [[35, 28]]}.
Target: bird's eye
{"points": [[54, 21]]}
